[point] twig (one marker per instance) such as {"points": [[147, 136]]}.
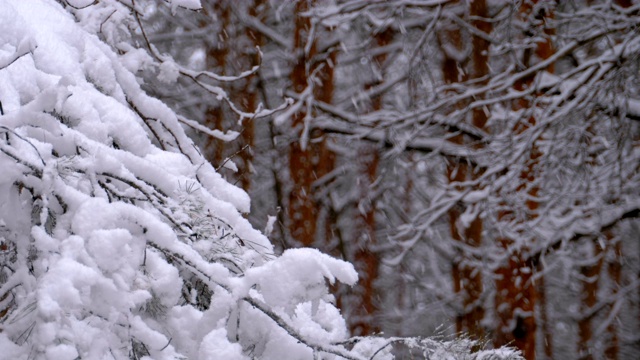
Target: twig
{"points": [[230, 157], [80, 8]]}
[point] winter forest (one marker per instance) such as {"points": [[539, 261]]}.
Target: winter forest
{"points": [[319, 179]]}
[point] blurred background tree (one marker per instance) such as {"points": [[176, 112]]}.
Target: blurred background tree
{"points": [[476, 160]]}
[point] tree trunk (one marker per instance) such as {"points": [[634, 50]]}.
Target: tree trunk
{"points": [[302, 208], [312, 159], [217, 61], [590, 279], [547, 337], [463, 279], [615, 266], [466, 277], [516, 293], [365, 259], [614, 270], [247, 98]]}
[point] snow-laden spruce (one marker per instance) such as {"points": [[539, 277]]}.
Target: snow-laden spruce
{"points": [[118, 239]]}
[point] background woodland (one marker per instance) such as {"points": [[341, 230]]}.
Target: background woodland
{"points": [[477, 161]]}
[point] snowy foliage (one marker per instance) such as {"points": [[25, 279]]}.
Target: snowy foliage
{"points": [[118, 240]]}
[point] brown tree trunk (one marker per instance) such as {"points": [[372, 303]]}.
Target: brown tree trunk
{"points": [[544, 318], [464, 280], [302, 208], [479, 70], [365, 259], [247, 98], [467, 278], [516, 294], [614, 270], [310, 161], [615, 266], [591, 275], [216, 60], [590, 278]]}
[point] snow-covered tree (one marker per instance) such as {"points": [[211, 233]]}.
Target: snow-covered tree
{"points": [[117, 238]]}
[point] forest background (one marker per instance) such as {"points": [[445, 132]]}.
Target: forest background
{"points": [[476, 160]]}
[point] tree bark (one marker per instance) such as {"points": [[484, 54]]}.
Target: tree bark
{"points": [[614, 270], [467, 279], [516, 294], [313, 159], [365, 259], [216, 60], [247, 96], [463, 279], [590, 279], [302, 207], [547, 337]]}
